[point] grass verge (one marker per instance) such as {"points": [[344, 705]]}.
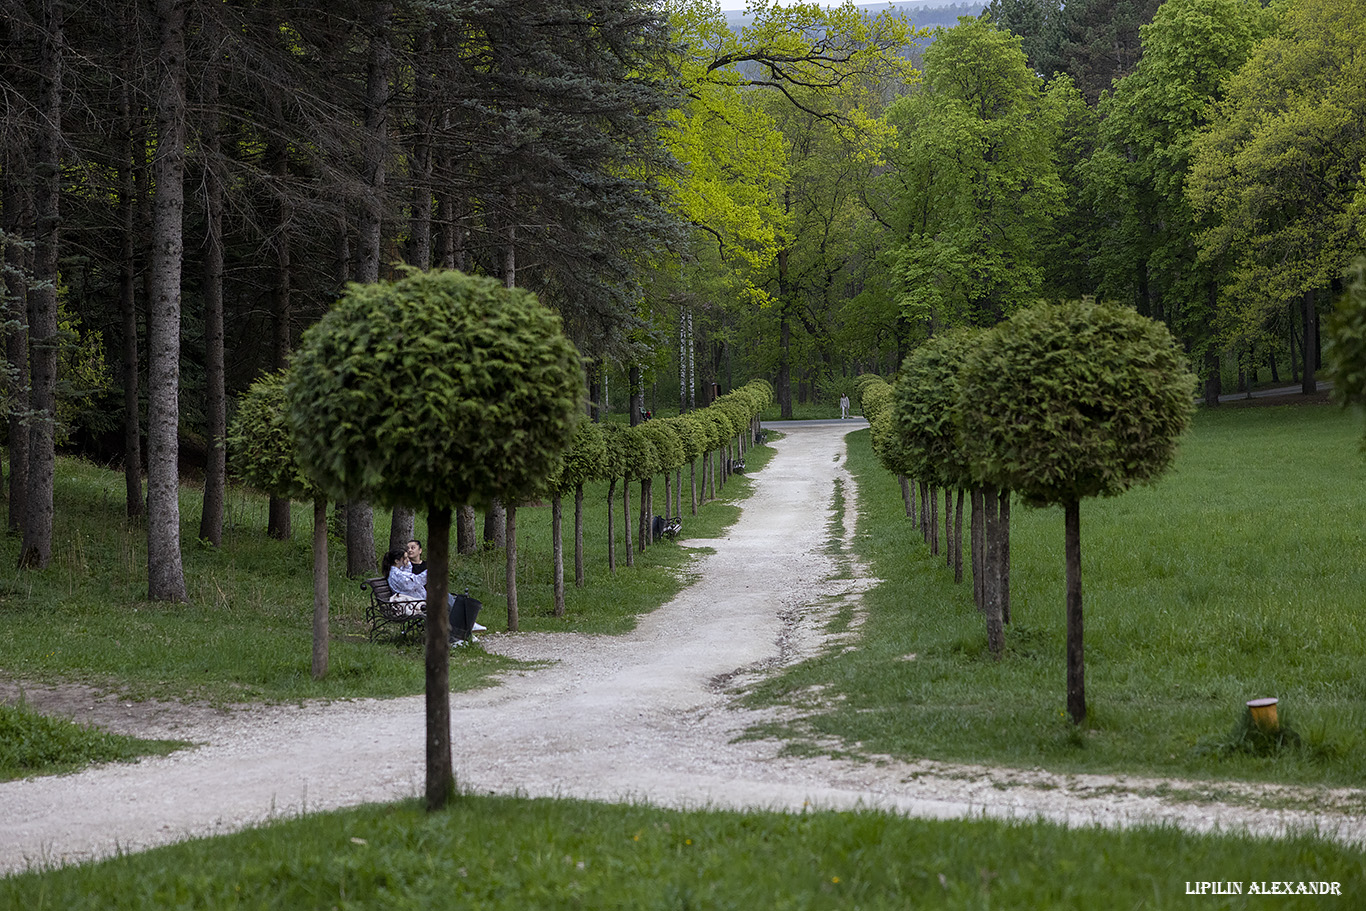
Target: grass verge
{"points": [[32, 744], [1237, 576], [503, 853]]}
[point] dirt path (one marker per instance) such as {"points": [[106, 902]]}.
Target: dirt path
{"points": [[647, 716]]}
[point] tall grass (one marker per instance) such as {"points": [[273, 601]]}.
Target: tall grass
{"points": [[1239, 575], [245, 633]]}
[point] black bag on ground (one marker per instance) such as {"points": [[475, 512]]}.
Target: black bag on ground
{"points": [[464, 612]]}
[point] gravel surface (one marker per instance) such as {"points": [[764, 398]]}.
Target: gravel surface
{"points": [[646, 717]]}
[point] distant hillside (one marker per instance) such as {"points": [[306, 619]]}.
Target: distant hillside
{"points": [[922, 13]]}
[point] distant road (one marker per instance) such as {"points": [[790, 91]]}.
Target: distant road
{"points": [[1322, 386], [858, 422]]}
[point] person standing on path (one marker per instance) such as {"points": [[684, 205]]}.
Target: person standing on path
{"points": [[844, 405]]}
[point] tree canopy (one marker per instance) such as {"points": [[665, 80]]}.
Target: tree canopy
{"points": [[437, 389]]}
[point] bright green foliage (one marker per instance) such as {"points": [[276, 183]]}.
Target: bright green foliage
{"points": [[732, 155], [639, 460], [692, 435], [973, 180], [1345, 352], [260, 445], [1073, 400], [736, 411], [873, 398], [614, 452], [436, 390], [889, 446], [668, 448], [725, 427], [1137, 177], [924, 410], [584, 460], [862, 382], [1275, 176]]}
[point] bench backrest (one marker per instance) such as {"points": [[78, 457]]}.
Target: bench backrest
{"points": [[379, 589]]}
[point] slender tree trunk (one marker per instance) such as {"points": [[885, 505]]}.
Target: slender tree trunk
{"points": [[557, 550], [906, 499], [578, 536], [437, 661], [165, 575], [321, 633], [958, 537], [611, 532], [464, 531], [626, 520], [511, 567], [1311, 342], [279, 524], [784, 390], [637, 399], [692, 485], [1076, 656], [216, 403], [360, 519], [925, 511], [1294, 345], [134, 153], [646, 502], [1003, 553], [36, 549], [978, 536], [934, 522], [593, 380], [991, 580], [16, 260], [948, 527]]}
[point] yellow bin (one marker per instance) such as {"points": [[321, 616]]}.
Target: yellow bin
{"points": [[1264, 714]]}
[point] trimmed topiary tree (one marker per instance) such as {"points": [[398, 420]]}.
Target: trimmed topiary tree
{"points": [[1074, 400], [582, 461], [613, 469], [435, 390], [668, 456], [261, 452], [638, 462], [694, 436], [925, 404]]}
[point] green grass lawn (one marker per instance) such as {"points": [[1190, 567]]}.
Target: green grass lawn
{"points": [[246, 633], [503, 853], [1168, 666], [1239, 575], [31, 743]]}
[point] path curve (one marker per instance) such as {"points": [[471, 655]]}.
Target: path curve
{"points": [[647, 716]]}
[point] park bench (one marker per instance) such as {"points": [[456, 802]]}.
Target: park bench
{"points": [[408, 614], [666, 528], [405, 615]]}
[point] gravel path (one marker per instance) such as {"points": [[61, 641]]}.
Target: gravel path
{"points": [[647, 716]]}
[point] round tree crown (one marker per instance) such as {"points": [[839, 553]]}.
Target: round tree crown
{"points": [[438, 389], [1073, 400]]}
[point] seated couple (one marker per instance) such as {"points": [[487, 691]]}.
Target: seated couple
{"points": [[409, 586]]}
